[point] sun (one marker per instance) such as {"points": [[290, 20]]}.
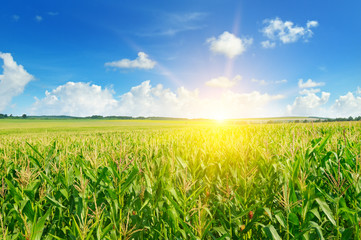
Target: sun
{"points": [[220, 119]]}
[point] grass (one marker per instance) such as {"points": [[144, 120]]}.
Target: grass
{"points": [[94, 179]]}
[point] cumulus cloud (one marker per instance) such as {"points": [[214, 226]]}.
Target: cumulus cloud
{"points": [[12, 81], [309, 84], [83, 99], [76, 99], [229, 44], [145, 100], [223, 82], [309, 103], [285, 31], [347, 105], [142, 62]]}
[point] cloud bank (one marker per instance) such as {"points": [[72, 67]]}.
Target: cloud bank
{"points": [[84, 99], [76, 99], [12, 81]]}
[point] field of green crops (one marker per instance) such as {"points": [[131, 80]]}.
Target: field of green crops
{"points": [[76, 179]]}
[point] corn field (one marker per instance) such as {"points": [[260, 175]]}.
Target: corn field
{"points": [[190, 181]]}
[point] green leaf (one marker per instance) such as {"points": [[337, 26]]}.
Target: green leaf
{"points": [[315, 212], [35, 150], [56, 237], [326, 209], [48, 181], [64, 192], [281, 219], [181, 162], [55, 202], [31, 190], [133, 174], [269, 213], [14, 192], [106, 230], [322, 144], [28, 210], [292, 218], [102, 175], [317, 228], [271, 232], [347, 234], [39, 226]]}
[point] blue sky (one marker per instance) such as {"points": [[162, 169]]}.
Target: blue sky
{"points": [[216, 59]]}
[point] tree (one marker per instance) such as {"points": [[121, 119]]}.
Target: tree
{"points": [[24, 115]]}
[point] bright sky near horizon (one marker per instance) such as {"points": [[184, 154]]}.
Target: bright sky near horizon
{"points": [[213, 59]]}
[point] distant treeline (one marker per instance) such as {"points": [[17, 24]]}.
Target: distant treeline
{"points": [[343, 119], [11, 116], [2, 116], [314, 119]]}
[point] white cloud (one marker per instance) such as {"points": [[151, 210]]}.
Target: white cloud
{"points": [[76, 99], [308, 91], [260, 82], [268, 44], [285, 31], [347, 105], [228, 44], [309, 104], [263, 82], [145, 100], [223, 82], [12, 81], [186, 17], [16, 17], [38, 18], [309, 84], [171, 24], [53, 13], [235, 105], [281, 81], [358, 91], [312, 24], [83, 99], [142, 62]]}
